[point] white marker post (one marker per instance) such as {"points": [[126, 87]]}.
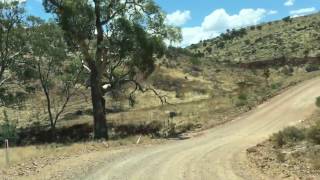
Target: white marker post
{"points": [[138, 141], [6, 143]]}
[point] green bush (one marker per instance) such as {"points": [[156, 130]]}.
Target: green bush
{"points": [[276, 85], [243, 97], [195, 61], [242, 100], [8, 129], [313, 133], [278, 139], [318, 101], [288, 135], [294, 134], [287, 19], [312, 67]]}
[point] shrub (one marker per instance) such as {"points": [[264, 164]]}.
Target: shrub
{"points": [[278, 139], [185, 127], [209, 49], [243, 97], [242, 100], [318, 101], [288, 135], [8, 130], [180, 94], [313, 133], [293, 134], [259, 27], [195, 61], [220, 45], [276, 85], [312, 67], [169, 130], [287, 19], [287, 70]]}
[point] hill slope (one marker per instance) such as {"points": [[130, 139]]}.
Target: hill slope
{"points": [[203, 89], [289, 38]]}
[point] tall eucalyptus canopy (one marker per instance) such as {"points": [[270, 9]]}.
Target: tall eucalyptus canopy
{"points": [[118, 39]]}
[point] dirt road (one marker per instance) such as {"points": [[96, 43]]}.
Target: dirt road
{"points": [[218, 154]]}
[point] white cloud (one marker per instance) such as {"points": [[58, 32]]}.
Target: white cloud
{"points": [[272, 12], [302, 12], [218, 21], [289, 3], [178, 18], [192, 35]]}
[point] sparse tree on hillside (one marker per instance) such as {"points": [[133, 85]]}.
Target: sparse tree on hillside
{"points": [[266, 75], [118, 40], [12, 39], [52, 66], [287, 19]]}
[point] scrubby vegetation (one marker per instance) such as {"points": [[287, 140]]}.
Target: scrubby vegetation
{"points": [[294, 151], [290, 38], [289, 136]]}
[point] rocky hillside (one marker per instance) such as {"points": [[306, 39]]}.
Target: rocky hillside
{"points": [[288, 38]]}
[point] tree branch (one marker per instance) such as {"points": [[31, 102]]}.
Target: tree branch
{"points": [[138, 86]]}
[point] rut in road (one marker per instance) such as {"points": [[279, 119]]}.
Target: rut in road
{"points": [[221, 152]]}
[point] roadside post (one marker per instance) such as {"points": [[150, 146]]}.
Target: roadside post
{"points": [[6, 144]]}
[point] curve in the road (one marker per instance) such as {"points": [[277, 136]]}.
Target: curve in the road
{"points": [[220, 152]]}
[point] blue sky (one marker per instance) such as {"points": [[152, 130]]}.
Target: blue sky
{"points": [[203, 19]]}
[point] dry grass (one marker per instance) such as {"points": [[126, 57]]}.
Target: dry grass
{"points": [[41, 153]]}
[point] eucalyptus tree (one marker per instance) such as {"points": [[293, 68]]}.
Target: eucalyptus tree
{"points": [[12, 37], [52, 65], [118, 39]]}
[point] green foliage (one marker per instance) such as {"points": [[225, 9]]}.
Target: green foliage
{"points": [[313, 133], [209, 49], [242, 100], [131, 46], [195, 61], [173, 52], [220, 45], [12, 99], [312, 67], [12, 47], [276, 86], [234, 33], [259, 27], [288, 135], [318, 101], [243, 97], [287, 70], [279, 139], [136, 32], [287, 19], [8, 129]]}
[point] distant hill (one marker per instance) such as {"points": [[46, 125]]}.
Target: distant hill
{"points": [[287, 38]]}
